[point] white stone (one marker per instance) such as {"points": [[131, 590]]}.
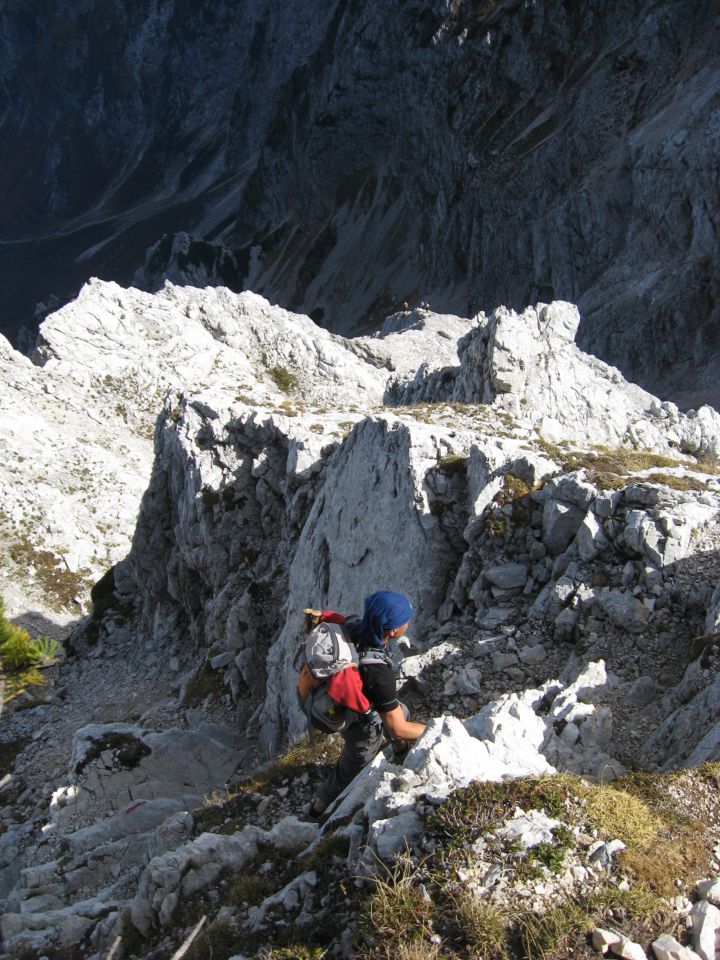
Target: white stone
{"points": [[705, 919], [446, 754], [391, 836], [590, 538], [604, 939], [666, 947], [710, 890], [629, 950], [529, 828]]}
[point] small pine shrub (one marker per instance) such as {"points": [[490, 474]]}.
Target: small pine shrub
{"points": [[20, 657]]}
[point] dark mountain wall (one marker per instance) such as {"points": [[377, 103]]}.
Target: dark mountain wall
{"points": [[355, 154]]}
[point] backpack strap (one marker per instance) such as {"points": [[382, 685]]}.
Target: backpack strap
{"points": [[375, 656]]}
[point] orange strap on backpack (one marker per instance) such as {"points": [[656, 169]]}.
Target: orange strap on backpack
{"points": [[306, 681]]}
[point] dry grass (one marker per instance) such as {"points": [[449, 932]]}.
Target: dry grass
{"points": [[513, 488], [621, 815], [677, 483], [398, 911], [611, 469], [418, 950], [551, 934], [483, 926], [311, 751]]}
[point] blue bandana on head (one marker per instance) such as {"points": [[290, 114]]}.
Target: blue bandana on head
{"points": [[384, 611]]}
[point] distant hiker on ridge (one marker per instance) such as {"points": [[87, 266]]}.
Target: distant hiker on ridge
{"points": [[368, 685]]}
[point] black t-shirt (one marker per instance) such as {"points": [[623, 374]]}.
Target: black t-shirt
{"points": [[378, 679], [379, 686]]}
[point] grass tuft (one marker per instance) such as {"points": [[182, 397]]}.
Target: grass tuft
{"points": [[294, 762], [622, 815], [482, 926], [283, 379], [399, 911]]}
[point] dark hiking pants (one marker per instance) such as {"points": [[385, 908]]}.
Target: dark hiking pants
{"points": [[363, 739]]}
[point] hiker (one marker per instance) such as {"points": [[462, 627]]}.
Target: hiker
{"points": [[386, 615]]}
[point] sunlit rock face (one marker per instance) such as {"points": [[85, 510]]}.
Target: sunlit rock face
{"points": [[555, 526], [344, 160]]}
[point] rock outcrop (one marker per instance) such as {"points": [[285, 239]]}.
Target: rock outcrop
{"points": [[562, 554]]}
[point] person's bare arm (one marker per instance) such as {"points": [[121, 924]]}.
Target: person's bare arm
{"points": [[398, 728]]}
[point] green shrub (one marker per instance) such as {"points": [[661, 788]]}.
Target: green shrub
{"points": [[20, 657], [283, 378]]}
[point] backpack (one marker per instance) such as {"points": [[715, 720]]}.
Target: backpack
{"points": [[329, 687]]}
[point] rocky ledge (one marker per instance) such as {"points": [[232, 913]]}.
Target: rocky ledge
{"points": [[556, 527]]}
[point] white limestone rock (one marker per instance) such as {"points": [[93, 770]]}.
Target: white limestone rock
{"points": [[590, 538], [196, 865], [392, 836], [629, 950], [290, 898], [447, 757], [666, 947], [705, 919], [710, 890], [43, 931], [513, 735], [529, 828], [619, 945], [602, 939]]}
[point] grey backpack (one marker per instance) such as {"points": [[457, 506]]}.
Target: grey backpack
{"points": [[327, 650]]}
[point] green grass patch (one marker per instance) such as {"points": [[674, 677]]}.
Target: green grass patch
{"points": [[513, 488], [454, 465], [206, 683], [251, 888], [329, 850], [482, 807], [283, 379]]}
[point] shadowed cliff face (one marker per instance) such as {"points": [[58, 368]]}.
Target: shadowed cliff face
{"points": [[470, 153]]}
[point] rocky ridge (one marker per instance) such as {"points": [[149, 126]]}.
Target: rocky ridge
{"points": [[201, 137], [563, 558]]}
